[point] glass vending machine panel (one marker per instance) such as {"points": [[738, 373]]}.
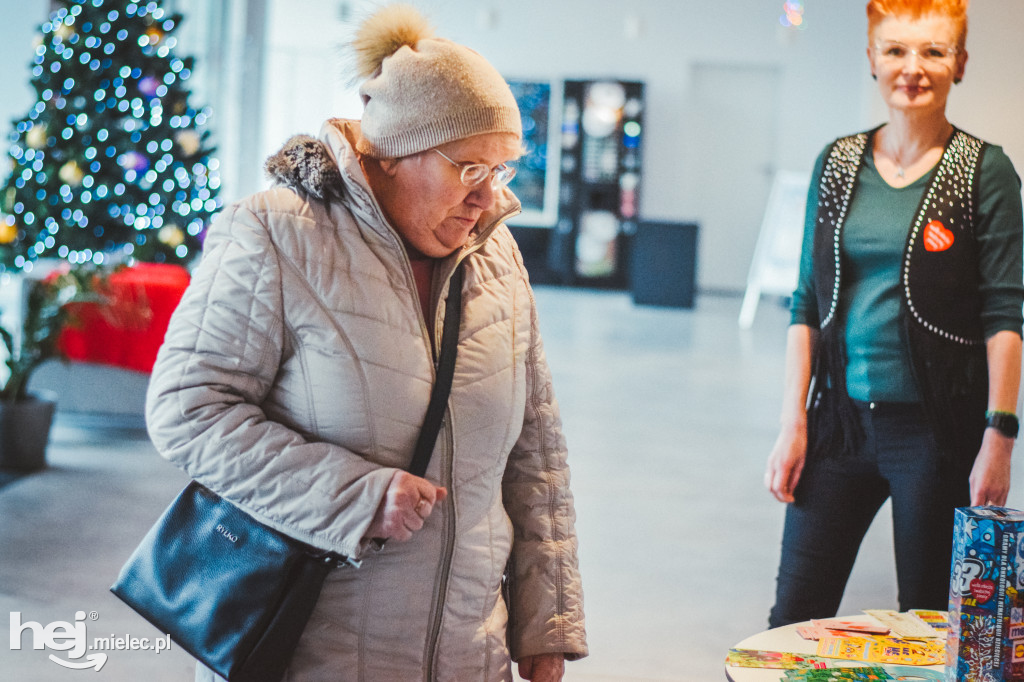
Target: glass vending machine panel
{"points": [[600, 181]]}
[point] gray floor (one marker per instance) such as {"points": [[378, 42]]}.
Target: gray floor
{"points": [[669, 416]]}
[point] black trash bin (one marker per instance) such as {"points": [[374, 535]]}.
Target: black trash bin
{"points": [[663, 264]]}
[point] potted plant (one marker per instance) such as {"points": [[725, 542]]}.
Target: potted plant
{"points": [[25, 418]]}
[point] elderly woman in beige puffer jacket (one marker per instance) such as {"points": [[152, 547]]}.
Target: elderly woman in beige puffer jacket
{"points": [[296, 372]]}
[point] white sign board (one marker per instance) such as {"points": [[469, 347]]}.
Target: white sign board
{"points": [[776, 263]]}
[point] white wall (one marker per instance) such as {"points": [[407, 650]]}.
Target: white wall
{"points": [[306, 78], [21, 19], [18, 28]]}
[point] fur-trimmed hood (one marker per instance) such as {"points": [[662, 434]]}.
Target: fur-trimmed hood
{"points": [[305, 164]]}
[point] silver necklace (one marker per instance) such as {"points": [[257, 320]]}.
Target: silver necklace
{"points": [[900, 171]]}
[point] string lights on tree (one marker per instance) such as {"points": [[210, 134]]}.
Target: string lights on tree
{"points": [[112, 162]]}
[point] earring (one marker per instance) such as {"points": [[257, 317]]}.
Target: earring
{"points": [[874, 76], [956, 81]]}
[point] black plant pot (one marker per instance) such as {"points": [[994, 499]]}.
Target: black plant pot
{"points": [[25, 431]]}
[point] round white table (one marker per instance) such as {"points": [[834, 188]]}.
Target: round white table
{"points": [[783, 639]]}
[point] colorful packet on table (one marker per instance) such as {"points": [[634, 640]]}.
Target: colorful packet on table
{"points": [[752, 658], [905, 625], [862, 674], [912, 673], [883, 650], [867, 627], [936, 619], [812, 632], [897, 673]]}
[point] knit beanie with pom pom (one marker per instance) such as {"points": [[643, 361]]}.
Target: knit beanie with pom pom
{"points": [[422, 91]]}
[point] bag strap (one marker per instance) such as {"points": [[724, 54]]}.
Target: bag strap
{"points": [[443, 383]]}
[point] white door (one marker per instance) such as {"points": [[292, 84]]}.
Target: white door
{"points": [[727, 165]]}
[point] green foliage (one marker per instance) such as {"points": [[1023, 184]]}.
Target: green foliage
{"points": [[112, 163], [47, 313]]}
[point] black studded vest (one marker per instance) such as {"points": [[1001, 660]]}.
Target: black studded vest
{"points": [[941, 305]]}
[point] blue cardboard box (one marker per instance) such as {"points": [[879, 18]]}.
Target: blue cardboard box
{"points": [[986, 607]]}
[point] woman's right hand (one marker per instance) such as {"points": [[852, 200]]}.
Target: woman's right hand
{"points": [[407, 502], [786, 462]]}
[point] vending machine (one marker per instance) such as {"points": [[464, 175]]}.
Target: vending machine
{"points": [[598, 203]]}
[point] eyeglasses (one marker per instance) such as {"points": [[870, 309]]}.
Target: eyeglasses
{"points": [[932, 53], [472, 174]]}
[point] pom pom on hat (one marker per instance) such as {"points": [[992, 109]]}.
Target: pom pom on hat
{"points": [[422, 91], [384, 32]]}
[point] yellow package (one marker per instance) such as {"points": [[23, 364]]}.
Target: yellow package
{"points": [[883, 650]]}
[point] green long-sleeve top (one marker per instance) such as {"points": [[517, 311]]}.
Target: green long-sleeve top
{"points": [[872, 248]]}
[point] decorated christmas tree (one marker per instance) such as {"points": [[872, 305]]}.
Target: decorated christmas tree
{"points": [[112, 164]]}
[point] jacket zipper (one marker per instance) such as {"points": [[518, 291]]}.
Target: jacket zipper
{"points": [[447, 477], [446, 565]]}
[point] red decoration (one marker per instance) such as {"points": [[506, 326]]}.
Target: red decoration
{"points": [[937, 237], [982, 590], [128, 332]]}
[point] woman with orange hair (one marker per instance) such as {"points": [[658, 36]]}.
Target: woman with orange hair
{"points": [[904, 354]]}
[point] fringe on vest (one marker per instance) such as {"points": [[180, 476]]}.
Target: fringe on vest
{"points": [[833, 425], [953, 381]]}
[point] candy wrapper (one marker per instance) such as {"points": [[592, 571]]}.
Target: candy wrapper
{"points": [[986, 609], [865, 674], [938, 620], [753, 658], [879, 649]]}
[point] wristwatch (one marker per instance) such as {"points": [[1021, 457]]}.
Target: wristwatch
{"points": [[1005, 423]]}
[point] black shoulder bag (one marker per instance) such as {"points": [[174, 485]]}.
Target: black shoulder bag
{"points": [[235, 593]]}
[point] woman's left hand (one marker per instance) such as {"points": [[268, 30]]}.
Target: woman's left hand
{"points": [[990, 477], [542, 667], [407, 502]]}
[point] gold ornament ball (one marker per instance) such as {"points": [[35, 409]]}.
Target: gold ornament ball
{"points": [[8, 232], [189, 142], [171, 235], [71, 174], [64, 31], [36, 136]]}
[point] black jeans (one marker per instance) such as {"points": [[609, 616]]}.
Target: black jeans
{"points": [[836, 500]]}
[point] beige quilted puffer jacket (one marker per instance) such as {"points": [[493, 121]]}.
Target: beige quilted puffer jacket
{"points": [[293, 381]]}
